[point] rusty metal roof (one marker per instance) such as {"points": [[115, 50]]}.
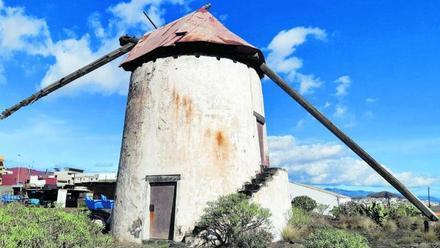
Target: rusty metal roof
{"points": [[196, 32]]}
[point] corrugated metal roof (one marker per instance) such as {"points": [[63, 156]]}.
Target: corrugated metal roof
{"points": [[195, 28]]}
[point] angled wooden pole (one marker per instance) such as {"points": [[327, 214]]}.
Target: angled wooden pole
{"points": [[127, 43], [350, 143]]}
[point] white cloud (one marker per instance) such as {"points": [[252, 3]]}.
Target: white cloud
{"points": [[340, 111], [96, 25], [130, 14], [71, 54], [19, 32], [371, 100], [300, 123], [307, 83], [2, 76], [330, 164], [23, 33], [281, 55], [343, 84]]}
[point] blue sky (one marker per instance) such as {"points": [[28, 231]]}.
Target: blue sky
{"points": [[370, 66]]}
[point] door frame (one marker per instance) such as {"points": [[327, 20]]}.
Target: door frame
{"points": [[261, 134], [152, 179]]}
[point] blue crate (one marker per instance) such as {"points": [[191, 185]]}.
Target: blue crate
{"points": [[102, 203]]}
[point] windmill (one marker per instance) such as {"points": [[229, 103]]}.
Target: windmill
{"points": [[194, 104]]}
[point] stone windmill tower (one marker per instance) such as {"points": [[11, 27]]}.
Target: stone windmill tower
{"points": [[194, 129]]}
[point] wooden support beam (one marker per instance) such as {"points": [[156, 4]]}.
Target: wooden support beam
{"points": [[350, 143], [127, 44]]}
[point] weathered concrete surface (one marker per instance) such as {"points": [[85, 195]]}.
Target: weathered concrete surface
{"points": [[191, 116], [328, 198], [275, 197]]}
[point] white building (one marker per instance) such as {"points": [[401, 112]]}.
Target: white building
{"points": [[37, 181], [67, 176], [194, 131], [71, 176], [101, 177], [321, 196]]}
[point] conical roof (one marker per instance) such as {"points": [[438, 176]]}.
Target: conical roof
{"points": [[196, 33]]}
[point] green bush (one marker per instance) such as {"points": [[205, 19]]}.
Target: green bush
{"points": [[399, 210], [335, 238], [374, 211], [234, 221], [22, 226], [304, 202], [299, 217], [349, 209], [377, 212]]}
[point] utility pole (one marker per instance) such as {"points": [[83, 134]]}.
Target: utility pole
{"points": [[18, 176], [429, 197]]}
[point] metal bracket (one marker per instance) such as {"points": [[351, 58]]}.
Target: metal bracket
{"points": [[260, 118]]}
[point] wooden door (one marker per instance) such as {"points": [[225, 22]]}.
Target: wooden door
{"points": [[162, 210]]}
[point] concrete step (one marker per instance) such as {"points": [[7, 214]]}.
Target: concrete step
{"points": [[260, 179]]}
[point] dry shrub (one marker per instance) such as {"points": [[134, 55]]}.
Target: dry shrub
{"points": [[436, 228], [411, 223], [407, 240], [390, 226], [291, 233], [318, 221], [430, 236], [419, 224], [404, 222], [356, 222]]}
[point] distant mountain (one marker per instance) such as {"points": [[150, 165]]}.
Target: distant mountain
{"points": [[363, 193], [350, 193], [384, 194], [433, 199]]}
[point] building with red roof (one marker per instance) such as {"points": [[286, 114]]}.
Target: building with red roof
{"points": [[19, 175]]}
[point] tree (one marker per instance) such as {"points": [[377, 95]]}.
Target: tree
{"points": [[304, 202]]}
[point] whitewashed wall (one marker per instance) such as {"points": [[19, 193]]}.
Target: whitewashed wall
{"points": [[191, 116], [275, 197], [319, 195]]}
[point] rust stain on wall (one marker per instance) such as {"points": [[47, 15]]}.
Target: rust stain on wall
{"points": [[218, 143], [176, 99], [188, 107], [220, 138], [222, 151], [182, 103]]}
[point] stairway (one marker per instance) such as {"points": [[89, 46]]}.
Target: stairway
{"points": [[260, 179]]}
